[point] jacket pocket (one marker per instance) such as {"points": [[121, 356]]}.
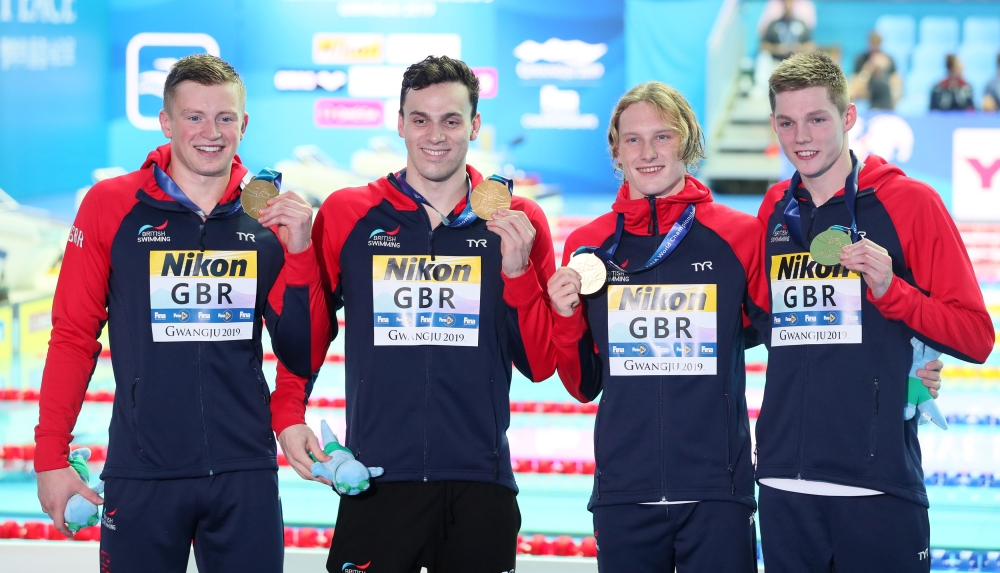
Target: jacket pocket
{"points": [[874, 430], [496, 432]]}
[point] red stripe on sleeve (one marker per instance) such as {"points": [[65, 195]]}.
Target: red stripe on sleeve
{"points": [[953, 313], [79, 311]]}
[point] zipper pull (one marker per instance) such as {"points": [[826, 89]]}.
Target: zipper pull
{"points": [[651, 229], [430, 242]]}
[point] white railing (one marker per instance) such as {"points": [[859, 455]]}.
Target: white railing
{"points": [[724, 51]]}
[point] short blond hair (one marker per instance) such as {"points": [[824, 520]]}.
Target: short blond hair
{"points": [[807, 70], [674, 111], [204, 69]]}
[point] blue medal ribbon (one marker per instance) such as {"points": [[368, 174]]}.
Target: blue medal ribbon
{"points": [[177, 194], [793, 217], [464, 219], [673, 238]]}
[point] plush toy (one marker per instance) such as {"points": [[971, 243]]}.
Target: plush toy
{"points": [[918, 397], [80, 512], [348, 475]]}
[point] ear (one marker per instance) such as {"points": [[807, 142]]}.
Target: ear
{"points": [[477, 122], [243, 128], [165, 124], [850, 117], [774, 126], [399, 124]]}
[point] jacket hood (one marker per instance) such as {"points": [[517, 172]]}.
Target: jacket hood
{"points": [[638, 214], [877, 172], [161, 158]]}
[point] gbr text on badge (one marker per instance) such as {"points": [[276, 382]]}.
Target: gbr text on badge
{"points": [[813, 303], [662, 330], [419, 301], [202, 295]]}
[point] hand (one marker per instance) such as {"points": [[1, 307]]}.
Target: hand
{"points": [[293, 216], [564, 291], [55, 487], [930, 375], [516, 237], [297, 442], [872, 261]]}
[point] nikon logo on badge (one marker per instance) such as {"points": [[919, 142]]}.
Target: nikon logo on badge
{"points": [[196, 264], [649, 298], [797, 266], [422, 269]]}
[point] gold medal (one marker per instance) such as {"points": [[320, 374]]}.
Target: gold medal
{"points": [[592, 272], [256, 195], [827, 246], [488, 197]]}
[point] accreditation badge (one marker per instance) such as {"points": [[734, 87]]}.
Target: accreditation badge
{"points": [[202, 295], [419, 301], [662, 330], [813, 303]]}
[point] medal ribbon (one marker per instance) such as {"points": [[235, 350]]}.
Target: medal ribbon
{"points": [[177, 194], [464, 219], [673, 238], [793, 217]]}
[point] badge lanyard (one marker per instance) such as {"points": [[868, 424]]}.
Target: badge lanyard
{"points": [[793, 216], [464, 219], [670, 242], [177, 194]]}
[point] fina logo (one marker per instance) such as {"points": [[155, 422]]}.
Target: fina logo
{"points": [[383, 238], [351, 567], [566, 60], [151, 234], [780, 233]]}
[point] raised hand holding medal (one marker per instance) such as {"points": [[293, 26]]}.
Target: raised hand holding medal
{"points": [[490, 196], [592, 271], [286, 213], [827, 246]]}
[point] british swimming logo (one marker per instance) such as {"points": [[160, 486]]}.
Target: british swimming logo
{"points": [[151, 234], [383, 238], [780, 233], [352, 568]]}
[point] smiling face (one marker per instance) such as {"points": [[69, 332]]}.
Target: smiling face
{"points": [[812, 132], [648, 152], [205, 125], [437, 125]]}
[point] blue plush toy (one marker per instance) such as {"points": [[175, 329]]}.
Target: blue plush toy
{"points": [[348, 475], [80, 512]]}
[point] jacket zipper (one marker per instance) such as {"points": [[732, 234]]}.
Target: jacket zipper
{"points": [[802, 418], [729, 442], [201, 234], [496, 433], [659, 409], [654, 225], [597, 448], [201, 402], [265, 396], [871, 452], [355, 431], [427, 391]]}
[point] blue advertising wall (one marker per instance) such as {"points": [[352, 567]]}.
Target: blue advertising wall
{"points": [[53, 94], [554, 71]]}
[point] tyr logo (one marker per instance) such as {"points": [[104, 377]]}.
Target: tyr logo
{"points": [[476, 242], [921, 555], [986, 173], [245, 237], [707, 265]]}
